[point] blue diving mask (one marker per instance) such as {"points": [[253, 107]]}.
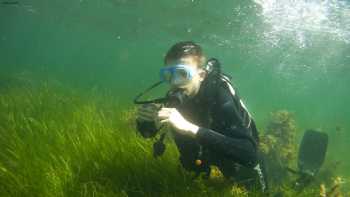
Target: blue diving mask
{"points": [[177, 75]]}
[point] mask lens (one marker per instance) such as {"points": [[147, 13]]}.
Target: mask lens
{"points": [[181, 74]]}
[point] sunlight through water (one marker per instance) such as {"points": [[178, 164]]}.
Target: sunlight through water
{"points": [[302, 20]]}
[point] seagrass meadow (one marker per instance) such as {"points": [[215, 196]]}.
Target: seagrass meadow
{"points": [[70, 69], [55, 142]]}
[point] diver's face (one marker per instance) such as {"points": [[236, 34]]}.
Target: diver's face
{"points": [[191, 87]]}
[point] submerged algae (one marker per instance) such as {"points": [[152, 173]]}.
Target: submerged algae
{"points": [[279, 147], [278, 144], [334, 190]]}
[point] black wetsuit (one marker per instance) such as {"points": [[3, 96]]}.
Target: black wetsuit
{"points": [[227, 137]]}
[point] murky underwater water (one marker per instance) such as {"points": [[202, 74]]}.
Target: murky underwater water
{"points": [[292, 55]]}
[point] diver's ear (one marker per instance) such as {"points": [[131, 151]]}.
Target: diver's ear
{"points": [[202, 74]]}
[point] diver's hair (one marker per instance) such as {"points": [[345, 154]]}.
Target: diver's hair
{"points": [[184, 49]]}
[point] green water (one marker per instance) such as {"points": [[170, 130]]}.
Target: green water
{"points": [[281, 55]]}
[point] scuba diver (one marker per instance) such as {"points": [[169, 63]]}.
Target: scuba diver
{"points": [[209, 122]]}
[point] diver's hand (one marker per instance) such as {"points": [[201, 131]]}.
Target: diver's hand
{"points": [[175, 119], [149, 112]]}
